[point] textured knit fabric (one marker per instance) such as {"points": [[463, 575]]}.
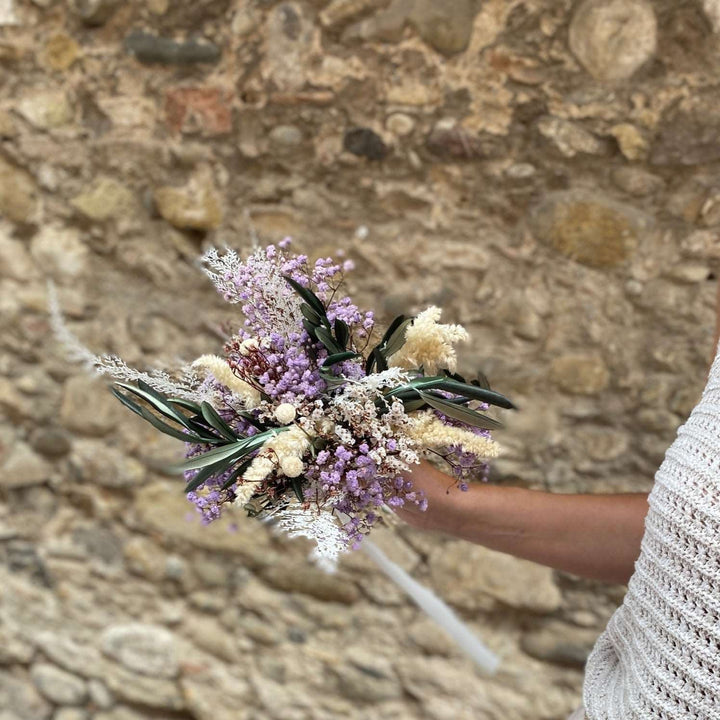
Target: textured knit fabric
{"points": [[659, 656], [579, 714]]}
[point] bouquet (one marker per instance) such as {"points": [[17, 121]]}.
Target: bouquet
{"points": [[309, 417]]}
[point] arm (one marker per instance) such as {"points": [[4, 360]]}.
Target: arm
{"points": [[595, 536]]}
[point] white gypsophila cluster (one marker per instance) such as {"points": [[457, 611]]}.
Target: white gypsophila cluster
{"points": [[392, 377], [274, 303], [429, 343], [223, 373], [355, 407], [428, 430], [188, 386], [278, 450], [319, 526]]}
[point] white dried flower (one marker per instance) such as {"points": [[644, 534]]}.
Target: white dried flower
{"points": [[243, 494], [429, 343], [285, 413], [292, 466], [278, 448], [223, 374], [247, 345]]}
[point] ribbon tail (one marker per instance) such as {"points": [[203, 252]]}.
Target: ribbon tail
{"points": [[436, 609]]}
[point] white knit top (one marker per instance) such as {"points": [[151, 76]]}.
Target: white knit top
{"points": [[659, 657]]}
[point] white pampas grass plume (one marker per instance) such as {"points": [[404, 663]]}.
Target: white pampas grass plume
{"points": [[427, 429], [223, 374]]}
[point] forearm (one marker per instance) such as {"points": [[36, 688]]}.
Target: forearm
{"points": [[594, 536]]}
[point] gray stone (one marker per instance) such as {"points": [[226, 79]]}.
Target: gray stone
{"points": [[209, 635], [152, 692], [475, 578], [69, 713], [60, 252], [149, 49], [365, 677], [51, 442], [145, 558], [46, 110], [637, 181], [386, 25], [365, 142], [294, 576], [8, 14], [76, 657], [88, 408], [100, 696], [613, 38], [18, 194], [286, 136], [447, 27], [143, 648], [712, 11], [338, 12], [21, 698], [686, 137], [99, 464], [601, 444], [95, 12], [571, 138], [15, 260], [657, 420], [120, 713], [560, 643], [23, 468], [14, 649], [99, 542], [229, 698], [57, 685]]}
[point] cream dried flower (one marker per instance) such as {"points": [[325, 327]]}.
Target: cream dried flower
{"points": [[429, 343], [285, 413], [427, 429], [291, 443], [243, 494], [292, 466], [223, 374]]}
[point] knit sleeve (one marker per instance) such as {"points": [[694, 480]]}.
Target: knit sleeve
{"points": [[659, 656]]}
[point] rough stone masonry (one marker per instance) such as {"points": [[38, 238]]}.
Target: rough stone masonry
{"points": [[548, 172]]}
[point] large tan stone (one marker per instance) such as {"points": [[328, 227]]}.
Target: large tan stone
{"points": [[613, 38], [105, 199], [18, 193], [580, 374], [589, 228], [472, 577]]}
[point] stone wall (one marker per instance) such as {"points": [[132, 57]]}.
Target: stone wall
{"points": [[546, 171]]}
